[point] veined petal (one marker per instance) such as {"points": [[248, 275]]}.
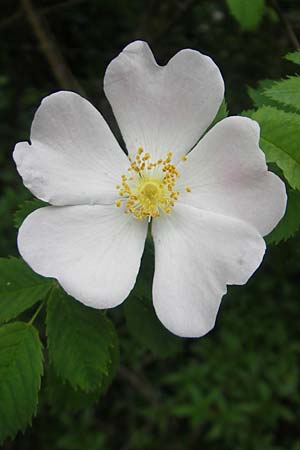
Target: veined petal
{"points": [[163, 108], [92, 250], [196, 254], [227, 174], [73, 157]]}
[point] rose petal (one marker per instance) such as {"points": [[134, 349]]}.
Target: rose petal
{"points": [[196, 254], [93, 251], [227, 174], [73, 157], [165, 108]]}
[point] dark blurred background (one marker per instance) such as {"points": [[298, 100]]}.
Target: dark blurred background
{"points": [[237, 388]]}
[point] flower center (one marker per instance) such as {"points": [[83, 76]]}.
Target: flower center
{"points": [[149, 189]]}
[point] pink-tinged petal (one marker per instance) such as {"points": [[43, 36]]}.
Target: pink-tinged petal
{"points": [[73, 157], [228, 175], [163, 108], [197, 253], [94, 251]]}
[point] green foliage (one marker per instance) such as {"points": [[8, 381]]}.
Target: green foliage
{"points": [[290, 223], [286, 92], [21, 368], [82, 342], [61, 395], [10, 198], [25, 209], [258, 95], [280, 140], [245, 370], [20, 288], [144, 325], [247, 12], [293, 57]]}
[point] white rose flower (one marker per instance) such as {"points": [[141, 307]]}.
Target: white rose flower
{"points": [[210, 201]]}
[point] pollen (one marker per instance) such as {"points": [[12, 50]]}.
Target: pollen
{"points": [[150, 190]]}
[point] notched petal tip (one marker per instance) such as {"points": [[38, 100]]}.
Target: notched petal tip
{"points": [[147, 98], [19, 153]]}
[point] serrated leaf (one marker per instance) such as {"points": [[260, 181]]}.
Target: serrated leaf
{"points": [[62, 397], [21, 368], [81, 342], [258, 95], [290, 223], [247, 12], [25, 209], [280, 141], [286, 92], [293, 57], [20, 288], [144, 325]]}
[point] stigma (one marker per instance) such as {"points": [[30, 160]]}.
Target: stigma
{"points": [[149, 188]]}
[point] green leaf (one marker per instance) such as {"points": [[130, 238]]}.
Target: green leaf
{"points": [[20, 288], [247, 12], [293, 57], [258, 95], [25, 209], [286, 92], [144, 325], [62, 397], [280, 140], [21, 368], [82, 342], [290, 223]]}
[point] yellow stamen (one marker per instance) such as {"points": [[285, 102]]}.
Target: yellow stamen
{"points": [[150, 188]]}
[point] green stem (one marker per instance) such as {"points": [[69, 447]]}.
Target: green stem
{"points": [[36, 313]]}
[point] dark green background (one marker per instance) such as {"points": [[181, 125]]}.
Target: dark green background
{"points": [[237, 388]]}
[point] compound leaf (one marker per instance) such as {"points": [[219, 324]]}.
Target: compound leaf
{"points": [[21, 368], [20, 287], [247, 12], [280, 140], [286, 92], [290, 223], [82, 342]]}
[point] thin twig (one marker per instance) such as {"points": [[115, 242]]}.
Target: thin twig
{"points": [[50, 49], [289, 29], [8, 21], [141, 385]]}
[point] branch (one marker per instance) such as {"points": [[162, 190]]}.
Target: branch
{"points": [[5, 23], [289, 29], [141, 385], [50, 49]]}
